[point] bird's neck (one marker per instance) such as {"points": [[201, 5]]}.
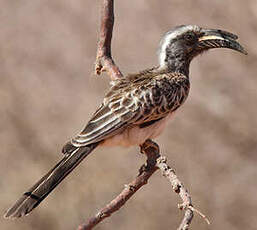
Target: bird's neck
{"points": [[178, 63]]}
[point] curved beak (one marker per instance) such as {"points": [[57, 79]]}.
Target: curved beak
{"points": [[211, 38]]}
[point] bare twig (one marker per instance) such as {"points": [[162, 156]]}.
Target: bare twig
{"points": [[200, 214], [129, 190], [155, 161], [179, 188], [104, 61]]}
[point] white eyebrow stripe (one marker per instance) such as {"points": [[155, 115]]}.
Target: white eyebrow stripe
{"points": [[167, 38]]}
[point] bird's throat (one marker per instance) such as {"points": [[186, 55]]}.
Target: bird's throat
{"points": [[178, 63]]}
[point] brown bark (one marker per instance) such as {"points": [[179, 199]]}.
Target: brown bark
{"points": [[104, 61]]}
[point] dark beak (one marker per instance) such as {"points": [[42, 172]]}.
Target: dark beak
{"points": [[219, 39]]}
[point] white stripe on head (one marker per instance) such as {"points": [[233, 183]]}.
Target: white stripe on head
{"points": [[167, 39]]}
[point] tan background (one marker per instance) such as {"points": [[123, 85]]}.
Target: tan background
{"points": [[48, 92]]}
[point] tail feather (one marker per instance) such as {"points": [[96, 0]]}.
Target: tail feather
{"points": [[47, 183]]}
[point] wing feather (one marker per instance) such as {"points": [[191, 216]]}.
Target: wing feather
{"points": [[107, 125], [133, 101]]}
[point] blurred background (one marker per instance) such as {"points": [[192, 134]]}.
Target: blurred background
{"points": [[48, 92]]}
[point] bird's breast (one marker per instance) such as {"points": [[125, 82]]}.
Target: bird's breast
{"points": [[135, 135]]}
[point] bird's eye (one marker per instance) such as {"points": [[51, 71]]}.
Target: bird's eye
{"points": [[190, 37]]}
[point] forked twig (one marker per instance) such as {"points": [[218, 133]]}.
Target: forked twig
{"points": [[104, 61], [179, 188], [129, 190], [155, 161]]}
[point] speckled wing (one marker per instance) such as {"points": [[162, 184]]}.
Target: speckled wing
{"points": [[105, 122], [112, 117], [131, 101]]}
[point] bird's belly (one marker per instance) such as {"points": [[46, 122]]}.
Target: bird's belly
{"points": [[136, 135]]}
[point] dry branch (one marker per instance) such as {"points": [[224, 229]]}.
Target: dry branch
{"points": [[179, 188], [155, 161], [104, 61], [129, 190]]}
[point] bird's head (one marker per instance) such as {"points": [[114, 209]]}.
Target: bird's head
{"points": [[180, 45]]}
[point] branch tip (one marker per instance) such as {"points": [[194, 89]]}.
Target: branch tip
{"points": [[200, 214]]}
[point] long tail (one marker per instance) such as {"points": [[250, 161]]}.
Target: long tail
{"points": [[47, 183]]}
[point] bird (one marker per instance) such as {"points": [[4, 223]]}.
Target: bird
{"points": [[136, 107]]}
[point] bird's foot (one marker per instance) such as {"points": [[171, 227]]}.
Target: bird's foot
{"points": [[149, 145], [152, 151]]}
